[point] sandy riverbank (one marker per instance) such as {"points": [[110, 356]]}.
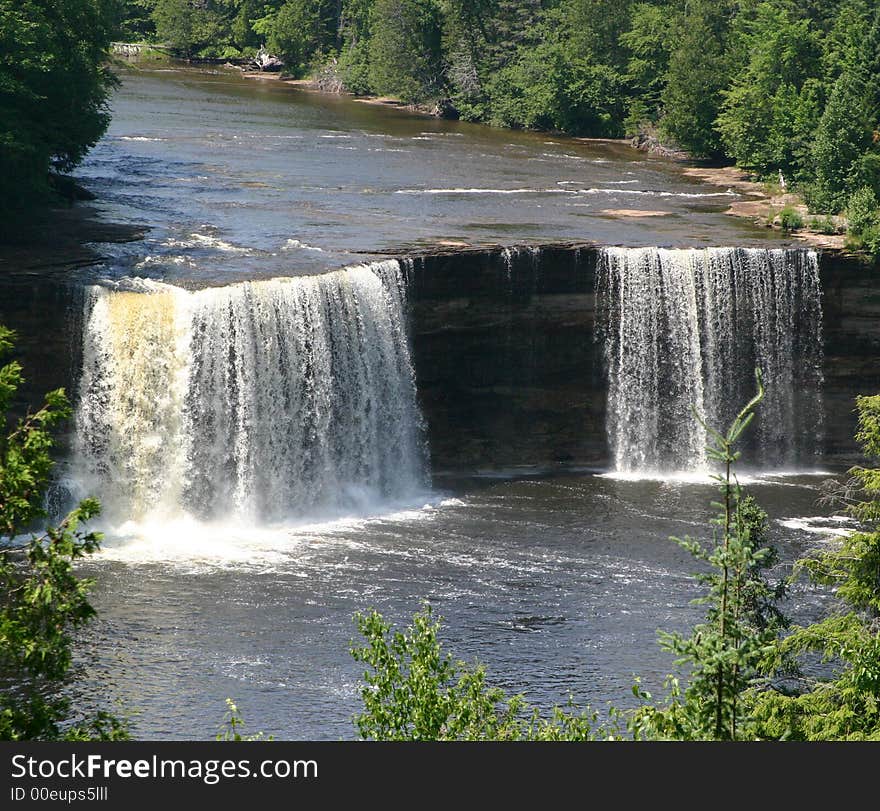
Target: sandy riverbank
{"points": [[763, 206]]}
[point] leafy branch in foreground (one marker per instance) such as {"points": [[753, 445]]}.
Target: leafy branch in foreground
{"points": [[846, 704], [42, 601], [730, 650], [413, 691]]}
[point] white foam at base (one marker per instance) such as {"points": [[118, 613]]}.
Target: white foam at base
{"points": [[838, 526], [703, 477], [185, 540]]}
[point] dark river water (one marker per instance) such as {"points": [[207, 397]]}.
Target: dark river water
{"points": [[557, 583]]}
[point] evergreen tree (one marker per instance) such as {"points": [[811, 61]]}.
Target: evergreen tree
{"points": [[726, 653], [699, 70], [846, 149], [43, 600], [773, 105], [405, 54], [299, 32], [354, 56], [189, 28], [647, 44], [845, 705]]}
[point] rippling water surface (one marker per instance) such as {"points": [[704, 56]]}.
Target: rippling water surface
{"points": [[246, 178], [557, 583]]}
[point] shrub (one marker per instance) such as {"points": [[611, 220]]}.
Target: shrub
{"points": [[414, 691], [845, 704], [43, 601], [862, 210], [727, 653], [790, 220]]}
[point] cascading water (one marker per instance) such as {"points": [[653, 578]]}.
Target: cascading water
{"points": [[684, 331], [259, 401]]}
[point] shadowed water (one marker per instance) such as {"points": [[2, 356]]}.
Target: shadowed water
{"points": [[558, 585]]}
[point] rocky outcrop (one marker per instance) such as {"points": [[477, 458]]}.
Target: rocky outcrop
{"points": [[510, 373]]}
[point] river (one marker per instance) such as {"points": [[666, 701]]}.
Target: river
{"points": [[557, 582], [243, 179]]}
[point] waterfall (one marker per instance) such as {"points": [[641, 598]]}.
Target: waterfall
{"points": [[260, 401], [684, 331]]}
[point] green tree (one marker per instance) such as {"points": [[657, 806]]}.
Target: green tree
{"points": [[699, 70], [53, 94], [647, 42], [135, 21], [42, 601], [405, 49], [595, 29], [843, 137], [414, 691], [773, 105], [242, 32], [557, 82], [545, 89], [188, 27], [354, 54], [846, 149], [845, 705], [298, 32], [726, 653]]}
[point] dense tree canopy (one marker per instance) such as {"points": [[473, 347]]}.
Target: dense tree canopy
{"points": [[53, 90]]}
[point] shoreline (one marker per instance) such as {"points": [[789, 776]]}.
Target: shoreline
{"points": [[75, 227], [309, 85], [764, 207]]}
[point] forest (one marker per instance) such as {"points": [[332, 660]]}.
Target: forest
{"points": [[777, 86]]}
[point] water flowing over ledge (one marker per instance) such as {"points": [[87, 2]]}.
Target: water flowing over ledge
{"points": [[256, 401], [683, 331], [315, 397]]}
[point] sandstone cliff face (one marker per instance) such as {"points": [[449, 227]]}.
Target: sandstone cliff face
{"points": [[511, 374]]}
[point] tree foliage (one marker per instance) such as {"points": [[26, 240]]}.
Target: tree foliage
{"points": [[413, 690], [846, 704], [42, 601], [53, 93], [404, 50], [727, 653], [772, 105]]}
